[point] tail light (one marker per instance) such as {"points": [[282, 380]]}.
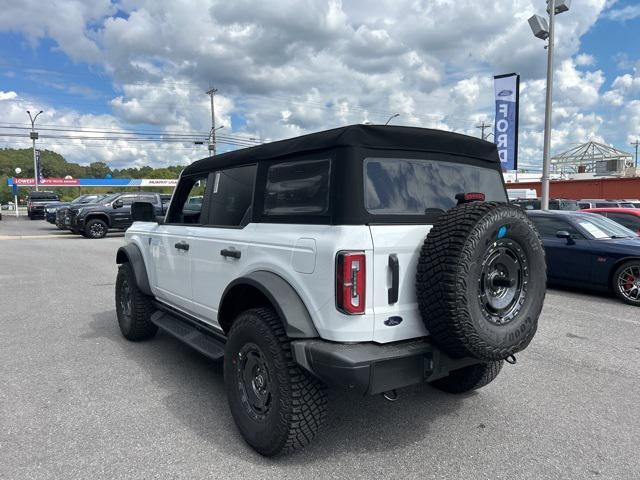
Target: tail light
{"points": [[350, 282]]}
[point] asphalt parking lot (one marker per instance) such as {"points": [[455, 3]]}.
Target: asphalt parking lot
{"points": [[79, 401]]}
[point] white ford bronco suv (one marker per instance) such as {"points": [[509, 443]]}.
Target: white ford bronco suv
{"points": [[366, 257]]}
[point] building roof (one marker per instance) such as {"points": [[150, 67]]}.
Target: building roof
{"points": [[387, 137]]}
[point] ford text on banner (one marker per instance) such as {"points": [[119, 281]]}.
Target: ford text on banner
{"points": [[507, 94]]}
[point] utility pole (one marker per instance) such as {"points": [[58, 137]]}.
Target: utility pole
{"points": [[482, 126], [212, 136], [635, 144], [34, 136]]}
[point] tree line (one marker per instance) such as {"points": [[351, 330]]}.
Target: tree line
{"points": [[55, 165]]}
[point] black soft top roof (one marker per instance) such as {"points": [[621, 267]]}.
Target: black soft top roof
{"points": [[386, 137]]}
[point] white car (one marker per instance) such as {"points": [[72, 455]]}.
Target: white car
{"points": [[366, 257]]}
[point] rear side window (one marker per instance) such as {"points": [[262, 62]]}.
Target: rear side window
{"points": [[606, 205], [414, 187], [297, 188]]}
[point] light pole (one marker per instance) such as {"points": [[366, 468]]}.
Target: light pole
{"points": [[212, 143], [546, 31], [391, 118], [34, 137], [15, 192]]}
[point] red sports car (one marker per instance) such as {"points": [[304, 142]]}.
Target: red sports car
{"points": [[628, 217]]}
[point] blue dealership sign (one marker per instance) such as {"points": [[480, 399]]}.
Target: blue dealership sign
{"points": [[507, 96]]}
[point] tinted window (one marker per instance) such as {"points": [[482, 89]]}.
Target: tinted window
{"points": [[181, 209], [129, 199], [632, 222], [549, 227], [296, 188], [401, 187], [584, 205], [148, 197], [571, 205], [606, 204], [232, 196]]}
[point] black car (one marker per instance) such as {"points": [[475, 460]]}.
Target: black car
{"points": [[37, 201], [585, 250], [554, 204], [94, 220], [51, 209]]}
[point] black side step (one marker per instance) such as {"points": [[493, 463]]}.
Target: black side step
{"points": [[208, 345]]}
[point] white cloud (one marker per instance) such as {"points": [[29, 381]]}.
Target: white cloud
{"points": [[623, 14], [286, 68]]}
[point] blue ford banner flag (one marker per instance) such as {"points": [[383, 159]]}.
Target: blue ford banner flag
{"points": [[507, 94]]}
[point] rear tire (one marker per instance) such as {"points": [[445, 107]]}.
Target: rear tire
{"points": [[469, 378], [133, 308], [277, 406], [626, 282], [95, 228]]}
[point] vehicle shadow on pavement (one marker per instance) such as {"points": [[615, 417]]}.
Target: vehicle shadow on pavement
{"points": [[197, 399]]}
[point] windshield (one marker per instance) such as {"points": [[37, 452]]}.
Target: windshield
{"points": [[412, 187], [599, 227]]}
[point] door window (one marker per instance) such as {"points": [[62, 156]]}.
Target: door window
{"points": [[232, 196], [549, 227], [127, 200], [187, 203]]}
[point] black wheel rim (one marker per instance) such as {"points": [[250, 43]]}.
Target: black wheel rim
{"points": [[502, 286], [96, 229], [125, 301], [254, 381], [629, 283]]}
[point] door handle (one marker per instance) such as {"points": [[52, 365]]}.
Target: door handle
{"points": [[394, 266], [230, 253], [182, 246]]}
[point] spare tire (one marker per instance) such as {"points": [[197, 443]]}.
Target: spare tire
{"points": [[481, 280]]}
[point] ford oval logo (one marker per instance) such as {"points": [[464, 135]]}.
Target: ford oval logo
{"points": [[505, 93]]}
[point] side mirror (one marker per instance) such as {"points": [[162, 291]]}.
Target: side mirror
{"points": [[160, 219], [143, 212], [565, 234], [117, 204]]}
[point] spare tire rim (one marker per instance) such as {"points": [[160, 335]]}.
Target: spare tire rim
{"points": [[254, 381], [629, 283], [503, 281]]}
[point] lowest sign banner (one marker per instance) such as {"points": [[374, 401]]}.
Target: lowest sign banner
{"points": [[507, 95]]}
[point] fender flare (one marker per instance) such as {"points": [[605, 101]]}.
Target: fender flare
{"points": [[131, 253], [285, 300]]}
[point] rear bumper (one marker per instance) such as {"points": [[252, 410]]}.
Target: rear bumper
{"points": [[371, 368]]}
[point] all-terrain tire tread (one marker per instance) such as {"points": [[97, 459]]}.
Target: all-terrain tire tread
{"points": [[141, 308], [306, 405], [443, 272]]}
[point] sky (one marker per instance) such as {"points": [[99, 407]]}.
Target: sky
{"points": [[124, 81]]}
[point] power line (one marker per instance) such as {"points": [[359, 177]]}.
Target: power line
{"points": [[482, 126]]}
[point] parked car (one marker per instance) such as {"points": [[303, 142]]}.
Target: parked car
{"points": [[602, 203], [94, 220], [52, 208], [554, 204], [36, 202], [308, 264], [627, 217], [589, 251]]}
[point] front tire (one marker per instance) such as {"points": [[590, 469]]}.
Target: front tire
{"points": [[133, 308], [96, 228], [626, 282], [277, 406], [469, 378]]}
